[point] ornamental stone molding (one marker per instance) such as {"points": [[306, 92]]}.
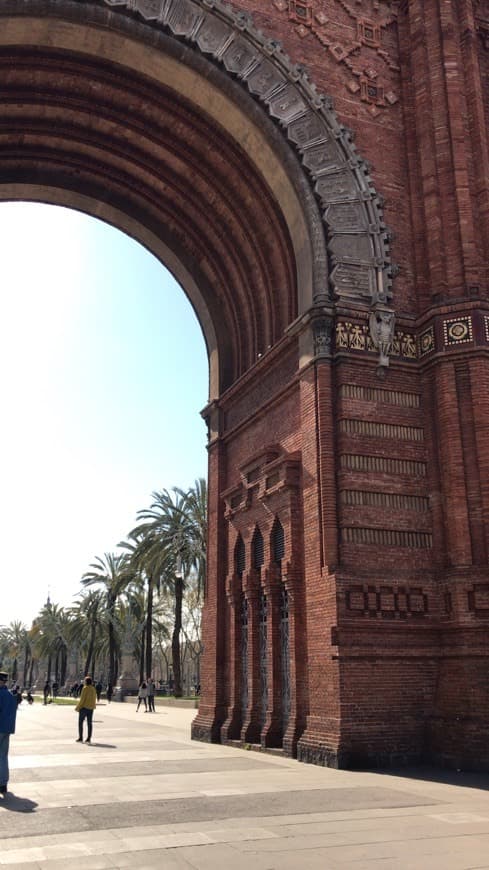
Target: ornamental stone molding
{"points": [[358, 242]]}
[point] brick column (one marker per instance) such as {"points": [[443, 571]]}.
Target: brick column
{"points": [[321, 739], [232, 726], [251, 726], [297, 663], [272, 731], [207, 724]]}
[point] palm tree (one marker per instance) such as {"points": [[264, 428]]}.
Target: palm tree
{"points": [[50, 632], [150, 558], [88, 621], [112, 573], [195, 509], [4, 646], [17, 640], [175, 528]]}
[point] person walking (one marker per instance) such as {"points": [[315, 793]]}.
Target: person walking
{"points": [[47, 691], [8, 713], [110, 692], [85, 707], [143, 696], [151, 695]]}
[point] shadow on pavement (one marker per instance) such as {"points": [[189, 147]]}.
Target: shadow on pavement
{"points": [[17, 804], [103, 745], [464, 778]]}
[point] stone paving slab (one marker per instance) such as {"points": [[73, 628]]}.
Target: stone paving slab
{"points": [[145, 796]]}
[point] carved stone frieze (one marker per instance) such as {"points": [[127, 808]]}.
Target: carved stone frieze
{"points": [[357, 337], [357, 237]]}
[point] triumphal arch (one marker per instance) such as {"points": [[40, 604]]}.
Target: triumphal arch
{"points": [[316, 175]]}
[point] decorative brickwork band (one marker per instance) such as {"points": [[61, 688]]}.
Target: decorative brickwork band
{"points": [[381, 430], [354, 462], [374, 394], [387, 538], [386, 602], [390, 500]]}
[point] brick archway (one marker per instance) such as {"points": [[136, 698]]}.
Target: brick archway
{"points": [[181, 124]]}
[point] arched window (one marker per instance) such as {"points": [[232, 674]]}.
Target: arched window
{"points": [[257, 550], [239, 557], [278, 542]]}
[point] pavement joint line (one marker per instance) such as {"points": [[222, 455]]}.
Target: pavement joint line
{"points": [[229, 828]]}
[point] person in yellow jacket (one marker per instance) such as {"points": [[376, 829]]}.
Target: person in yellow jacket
{"points": [[85, 707]]}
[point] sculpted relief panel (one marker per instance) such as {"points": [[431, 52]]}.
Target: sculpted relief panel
{"points": [[362, 48]]}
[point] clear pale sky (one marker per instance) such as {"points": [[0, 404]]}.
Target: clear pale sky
{"points": [[103, 374]]}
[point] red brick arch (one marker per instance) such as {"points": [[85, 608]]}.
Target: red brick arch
{"points": [[183, 124]]}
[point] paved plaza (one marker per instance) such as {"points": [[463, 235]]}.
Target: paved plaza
{"points": [[144, 796]]}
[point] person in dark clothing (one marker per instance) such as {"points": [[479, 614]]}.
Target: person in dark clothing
{"points": [[98, 689], [8, 713], [151, 695], [110, 692], [47, 691]]}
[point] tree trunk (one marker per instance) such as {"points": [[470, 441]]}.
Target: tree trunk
{"points": [[26, 665], [64, 659], [175, 643], [112, 664], [90, 650], [142, 656], [149, 628]]}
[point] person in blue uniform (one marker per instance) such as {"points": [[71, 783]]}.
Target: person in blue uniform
{"points": [[8, 712]]}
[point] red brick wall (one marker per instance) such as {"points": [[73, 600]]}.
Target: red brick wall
{"points": [[392, 523]]}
